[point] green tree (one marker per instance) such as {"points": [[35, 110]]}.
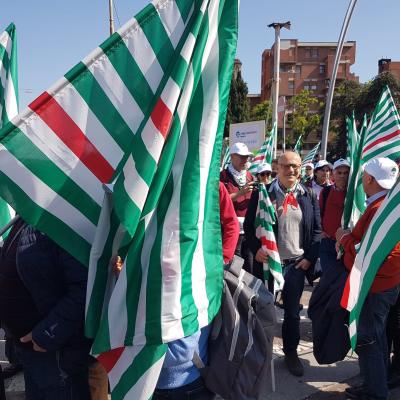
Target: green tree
{"points": [[352, 96], [263, 111], [238, 105], [305, 116]]}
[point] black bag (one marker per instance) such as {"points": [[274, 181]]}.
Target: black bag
{"points": [[240, 343]]}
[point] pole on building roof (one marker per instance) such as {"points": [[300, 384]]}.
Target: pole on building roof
{"points": [[329, 98]]}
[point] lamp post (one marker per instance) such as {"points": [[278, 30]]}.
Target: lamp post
{"points": [[111, 13], [275, 83], [329, 98]]}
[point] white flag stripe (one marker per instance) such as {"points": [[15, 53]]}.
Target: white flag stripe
{"points": [[141, 50], [170, 95], [172, 20], [45, 139], [206, 143], [187, 49], [135, 187], [144, 387], [123, 363], [10, 99], [117, 310], [6, 42], [152, 139], [3, 74], [383, 128], [187, 91], [78, 110], [115, 89], [171, 311], [44, 196], [388, 152], [149, 235]]}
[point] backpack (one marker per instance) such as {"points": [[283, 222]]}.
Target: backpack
{"points": [[240, 342]]}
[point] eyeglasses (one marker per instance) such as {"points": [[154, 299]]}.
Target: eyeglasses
{"points": [[308, 169], [264, 173], [287, 166]]}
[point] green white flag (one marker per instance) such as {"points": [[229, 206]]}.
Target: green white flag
{"points": [[8, 97], [297, 146], [311, 154], [146, 111], [379, 240], [265, 154]]}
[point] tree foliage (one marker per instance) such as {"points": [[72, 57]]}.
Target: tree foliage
{"points": [[238, 105], [263, 111], [305, 116], [361, 99]]}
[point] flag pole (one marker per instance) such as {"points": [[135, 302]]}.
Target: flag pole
{"points": [[5, 228], [329, 97], [111, 13]]}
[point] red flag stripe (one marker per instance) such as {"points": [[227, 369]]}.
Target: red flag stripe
{"points": [[346, 293], [380, 140], [65, 128], [162, 118], [110, 358], [269, 244]]}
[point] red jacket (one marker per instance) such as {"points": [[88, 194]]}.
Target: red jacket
{"points": [[242, 202], [388, 275], [229, 224]]}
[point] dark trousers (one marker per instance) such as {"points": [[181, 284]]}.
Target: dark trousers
{"points": [[46, 378], [291, 294], [327, 253], [393, 334], [193, 391], [372, 346]]}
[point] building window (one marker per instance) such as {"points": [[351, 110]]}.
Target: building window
{"points": [[298, 69], [322, 69], [308, 53], [291, 84], [314, 53], [307, 87]]}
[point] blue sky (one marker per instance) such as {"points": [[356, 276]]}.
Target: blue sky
{"points": [[54, 35]]}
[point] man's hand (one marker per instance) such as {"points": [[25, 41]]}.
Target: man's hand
{"points": [[303, 264], [248, 187], [117, 263], [340, 233], [261, 256], [28, 338]]}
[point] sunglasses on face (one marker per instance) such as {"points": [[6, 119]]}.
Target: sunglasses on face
{"points": [[265, 173]]}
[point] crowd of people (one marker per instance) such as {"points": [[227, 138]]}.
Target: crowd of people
{"points": [[43, 288]]}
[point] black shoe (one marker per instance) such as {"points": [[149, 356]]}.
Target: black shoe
{"points": [[294, 364], [11, 370], [355, 392]]}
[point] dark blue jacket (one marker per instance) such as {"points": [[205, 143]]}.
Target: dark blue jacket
{"points": [[310, 225], [57, 283]]}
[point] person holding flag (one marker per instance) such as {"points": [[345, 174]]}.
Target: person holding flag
{"points": [[297, 230], [379, 176]]}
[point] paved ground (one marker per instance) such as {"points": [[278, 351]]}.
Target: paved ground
{"points": [[326, 382]]}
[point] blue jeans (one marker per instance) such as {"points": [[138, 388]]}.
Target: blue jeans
{"points": [[371, 346], [46, 377], [327, 253], [193, 391], [291, 294]]}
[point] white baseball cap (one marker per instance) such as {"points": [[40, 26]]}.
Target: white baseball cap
{"points": [[241, 149], [384, 170], [341, 163], [309, 164], [322, 164], [264, 167]]}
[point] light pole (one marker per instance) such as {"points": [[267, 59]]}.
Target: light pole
{"points": [[329, 97], [111, 12], [275, 83]]}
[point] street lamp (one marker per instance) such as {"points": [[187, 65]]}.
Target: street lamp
{"points": [[275, 84]]}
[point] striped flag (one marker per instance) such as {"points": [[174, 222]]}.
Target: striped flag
{"points": [[265, 154], [8, 97], [311, 154], [146, 112], [297, 146], [265, 220], [352, 138], [379, 240], [383, 137], [226, 159], [354, 204]]}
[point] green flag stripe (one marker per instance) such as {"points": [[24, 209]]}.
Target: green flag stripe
{"points": [[43, 220], [37, 162]]}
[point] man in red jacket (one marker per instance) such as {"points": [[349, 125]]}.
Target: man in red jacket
{"points": [[379, 176]]}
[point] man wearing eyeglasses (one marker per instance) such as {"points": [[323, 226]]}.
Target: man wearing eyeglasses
{"points": [[298, 232]]}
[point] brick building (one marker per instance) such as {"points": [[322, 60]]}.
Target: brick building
{"points": [[387, 65]]}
